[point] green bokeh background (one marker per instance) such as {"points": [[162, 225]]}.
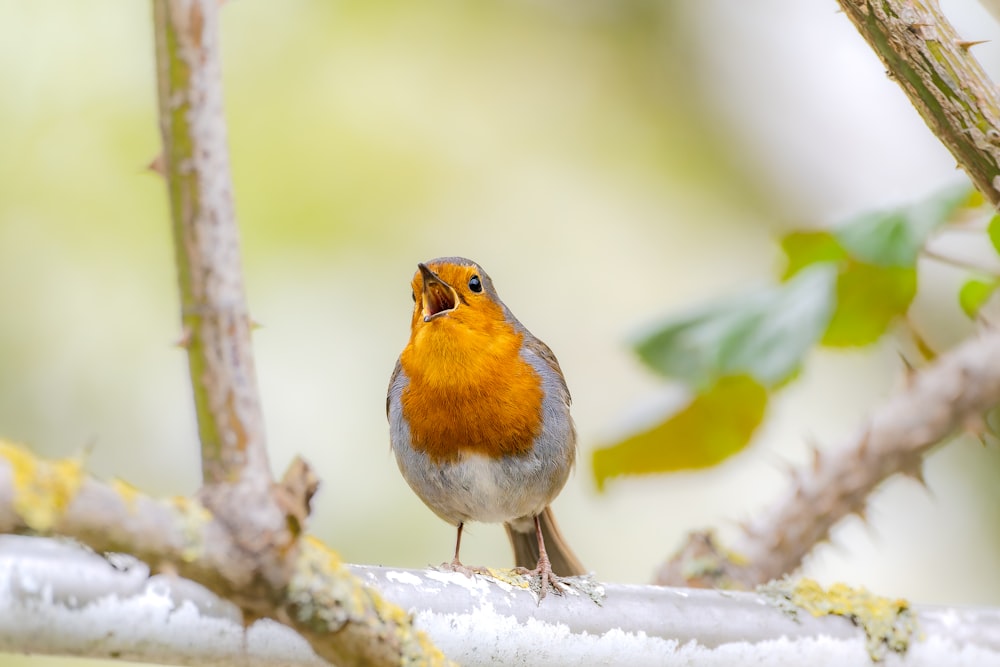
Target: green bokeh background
{"points": [[607, 162]]}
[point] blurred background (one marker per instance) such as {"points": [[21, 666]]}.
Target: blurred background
{"points": [[607, 161]]}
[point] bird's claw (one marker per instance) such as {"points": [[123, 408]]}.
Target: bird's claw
{"points": [[457, 566], [546, 579]]}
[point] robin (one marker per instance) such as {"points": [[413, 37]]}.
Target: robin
{"points": [[479, 418]]}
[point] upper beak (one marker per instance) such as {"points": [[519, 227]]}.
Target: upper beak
{"points": [[438, 296]]}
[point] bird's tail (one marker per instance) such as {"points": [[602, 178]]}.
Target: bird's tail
{"points": [[564, 561]]}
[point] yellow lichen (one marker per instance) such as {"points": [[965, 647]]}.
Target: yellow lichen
{"points": [[193, 517], [889, 624], [322, 552], [325, 596], [509, 576], [42, 489], [126, 491]]}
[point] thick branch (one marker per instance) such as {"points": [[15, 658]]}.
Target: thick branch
{"points": [[206, 240], [116, 611], [932, 64], [345, 622], [951, 394]]}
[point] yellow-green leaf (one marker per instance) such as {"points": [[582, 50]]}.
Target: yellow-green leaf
{"points": [[994, 231], [869, 298], [716, 424], [804, 249], [973, 294]]}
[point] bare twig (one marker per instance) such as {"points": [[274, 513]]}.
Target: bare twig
{"points": [[959, 262], [263, 520], [344, 621], [214, 313], [933, 66], [950, 395]]}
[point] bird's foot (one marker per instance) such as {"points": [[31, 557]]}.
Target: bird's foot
{"points": [[546, 578], [456, 566]]}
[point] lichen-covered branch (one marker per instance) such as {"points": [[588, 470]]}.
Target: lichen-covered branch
{"points": [[344, 621], [945, 83], [950, 395], [117, 611], [216, 321]]}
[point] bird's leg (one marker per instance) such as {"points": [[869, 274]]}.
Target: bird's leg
{"points": [[455, 562], [456, 565], [543, 570]]}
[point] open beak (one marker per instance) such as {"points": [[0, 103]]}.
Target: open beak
{"points": [[438, 296]]}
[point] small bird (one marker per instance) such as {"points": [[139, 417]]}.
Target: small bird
{"points": [[479, 419]]}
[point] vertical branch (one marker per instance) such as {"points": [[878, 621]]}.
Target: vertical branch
{"points": [[946, 85], [216, 322]]}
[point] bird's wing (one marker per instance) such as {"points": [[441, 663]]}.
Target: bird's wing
{"points": [[392, 381], [549, 357]]}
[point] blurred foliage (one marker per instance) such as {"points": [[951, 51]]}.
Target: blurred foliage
{"points": [[974, 294], [763, 334], [843, 287], [993, 230], [716, 424]]}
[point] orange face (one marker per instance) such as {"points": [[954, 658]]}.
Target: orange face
{"points": [[457, 293]]}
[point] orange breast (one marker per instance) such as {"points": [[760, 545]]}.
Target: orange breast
{"points": [[469, 392]]}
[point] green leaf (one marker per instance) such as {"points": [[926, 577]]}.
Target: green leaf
{"points": [[807, 248], [895, 237], [974, 293], [715, 425], [994, 231], [869, 298], [764, 334]]}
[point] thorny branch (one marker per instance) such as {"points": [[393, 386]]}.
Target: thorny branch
{"points": [[933, 65], [948, 396], [959, 103]]}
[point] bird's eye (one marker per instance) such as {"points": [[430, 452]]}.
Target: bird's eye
{"points": [[413, 295], [475, 285]]}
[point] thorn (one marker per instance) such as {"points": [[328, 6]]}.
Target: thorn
{"points": [[158, 165], [975, 425], [865, 442], [966, 44], [817, 456], [909, 371], [184, 341], [916, 473], [785, 467], [747, 527], [800, 489], [916, 28], [88, 448], [862, 514], [923, 347]]}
